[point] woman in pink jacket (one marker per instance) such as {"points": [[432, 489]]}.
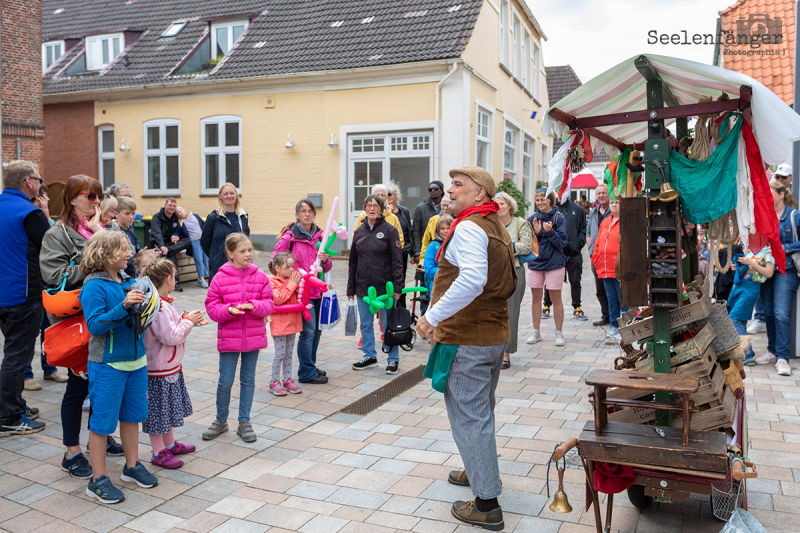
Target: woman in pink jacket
{"points": [[169, 401], [300, 239], [239, 300]]}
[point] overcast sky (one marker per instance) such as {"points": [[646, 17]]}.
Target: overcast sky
{"points": [[594, 36]]}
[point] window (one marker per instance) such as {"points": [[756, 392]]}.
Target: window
{"points": [[224, 34], [516, 41], [222, 152], [51, 52], [526, 45], [503, 30], [421, 142], [368, 145], [510, 153], [527, 184], [105, 145], [536, 62], [162, 157], [543, 175], [174, 29], [101, 50], [483, 141]]}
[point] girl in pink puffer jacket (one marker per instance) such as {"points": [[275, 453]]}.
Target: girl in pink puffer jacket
{"points": [[239, 299]]}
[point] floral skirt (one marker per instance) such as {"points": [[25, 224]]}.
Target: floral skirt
{"points": [[169, 403]]}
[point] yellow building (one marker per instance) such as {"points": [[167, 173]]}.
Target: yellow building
{"points": [[296, 100]]}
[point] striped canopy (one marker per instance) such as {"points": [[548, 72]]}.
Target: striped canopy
{"points": [[623, 89]]}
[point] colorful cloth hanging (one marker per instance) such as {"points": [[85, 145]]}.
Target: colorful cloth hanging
{"points": [[559, 173], [708, 188]]}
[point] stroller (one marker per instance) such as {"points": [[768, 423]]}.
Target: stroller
{"points": [[422, 297]]}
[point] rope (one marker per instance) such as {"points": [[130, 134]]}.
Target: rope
{"points": [[701, 149], [723, 230]]}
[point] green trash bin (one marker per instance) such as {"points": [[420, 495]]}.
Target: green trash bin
{"points": [[138, 228]]}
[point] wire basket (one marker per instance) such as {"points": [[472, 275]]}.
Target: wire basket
{"points": [[726, 496]]}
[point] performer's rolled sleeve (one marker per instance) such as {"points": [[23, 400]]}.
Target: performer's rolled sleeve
{"points": [[468, 250]]}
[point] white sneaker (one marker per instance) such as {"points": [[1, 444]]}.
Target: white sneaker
{"points": [[560, 339], [533, 339], [765, 359], [613, 333], [756, 326], [782, 365], [86, 405]]}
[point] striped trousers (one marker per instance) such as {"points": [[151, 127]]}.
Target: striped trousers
{"points": [[470, 400]]}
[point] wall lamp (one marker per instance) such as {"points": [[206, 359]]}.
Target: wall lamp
{"points": [[289, 143], [334, 143], [125, 147]]}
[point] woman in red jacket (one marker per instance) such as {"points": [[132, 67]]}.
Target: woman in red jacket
{"points": [[605, 253]]}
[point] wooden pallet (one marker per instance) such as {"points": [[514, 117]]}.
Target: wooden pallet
{"points": [[186, 268]]}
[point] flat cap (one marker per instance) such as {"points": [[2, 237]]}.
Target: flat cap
{"points": [[479, 175]]}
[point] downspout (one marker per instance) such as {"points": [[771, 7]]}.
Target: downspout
{"points": [[438, 148]]}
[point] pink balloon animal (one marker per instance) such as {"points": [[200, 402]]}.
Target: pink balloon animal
{"points": [[304, 305]]}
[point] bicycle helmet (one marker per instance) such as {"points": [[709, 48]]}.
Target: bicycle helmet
{"points": [[144, 313], [62, 303]]}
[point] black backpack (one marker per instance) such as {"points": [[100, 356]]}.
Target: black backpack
{"points": [[398, 330]]}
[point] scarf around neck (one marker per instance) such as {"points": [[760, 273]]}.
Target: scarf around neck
{"points": [[484, 209]]}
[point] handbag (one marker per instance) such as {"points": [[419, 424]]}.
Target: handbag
{"points": [[329, 309], [530, 256], [351, 319], [398, 330], [796, 255], [66, 344]]}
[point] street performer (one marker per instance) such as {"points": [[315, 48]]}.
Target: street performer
{"points": [[468, 319]]}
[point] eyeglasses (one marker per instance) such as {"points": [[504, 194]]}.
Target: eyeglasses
{"points": [[41, 181], [92, 196], [433, 189], [390, 194], [640, 159]]}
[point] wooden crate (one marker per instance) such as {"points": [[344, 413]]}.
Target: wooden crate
{"points": [[712, 418], [711, 388], [684, 351], [186, 268], [682, 316]]}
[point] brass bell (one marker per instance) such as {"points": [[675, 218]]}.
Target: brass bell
{"points": [[560, 502], [668, 193]]}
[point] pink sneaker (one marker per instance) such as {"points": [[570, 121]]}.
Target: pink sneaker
{"points": [[291, 387], [179, 448], [165, 459], [277, 389]]}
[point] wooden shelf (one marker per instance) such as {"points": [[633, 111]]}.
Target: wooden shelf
{"points": [[665, 291]]}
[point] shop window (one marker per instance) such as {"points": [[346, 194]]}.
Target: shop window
{"points": [[221, 152], [162, 157]]}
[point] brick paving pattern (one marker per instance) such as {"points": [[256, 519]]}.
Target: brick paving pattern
{"points": [[315, 470]]}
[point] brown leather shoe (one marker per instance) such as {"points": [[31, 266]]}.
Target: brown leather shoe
{"points": [[458, 477], [467, 512]]}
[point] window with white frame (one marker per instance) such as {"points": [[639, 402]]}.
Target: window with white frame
{"points": [[543, 176], [536, 62], [51, 52], [101, 50], [516, 41], [483, 140], [105, 149], [162, 156], [222, 152], [510, 139], [504, 32], [224, 33], [527, 184], [526, 52]]}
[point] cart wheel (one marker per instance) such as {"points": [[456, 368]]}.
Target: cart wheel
{"points": [[638, 498]]}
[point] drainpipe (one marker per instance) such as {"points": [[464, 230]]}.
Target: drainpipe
{"points": [[438, 147], [19, 150]]}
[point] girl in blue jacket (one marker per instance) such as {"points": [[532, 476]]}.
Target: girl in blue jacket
{"points": [[117, 362], [431, 264]]}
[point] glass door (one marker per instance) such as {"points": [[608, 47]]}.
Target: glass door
{"points": [[365, 173]]}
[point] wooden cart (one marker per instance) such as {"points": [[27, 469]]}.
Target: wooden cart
{"points": [[670, 463]]}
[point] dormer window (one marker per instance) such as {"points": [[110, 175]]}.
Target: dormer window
{"points": [[101, 50], [51, 51], [224, 34]]}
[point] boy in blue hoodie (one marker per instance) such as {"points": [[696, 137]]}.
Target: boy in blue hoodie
{"points": [[117, 362]]}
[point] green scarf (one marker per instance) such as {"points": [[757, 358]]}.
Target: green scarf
{"points": [[438, 367]]}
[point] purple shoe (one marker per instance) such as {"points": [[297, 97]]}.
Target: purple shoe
{"points": [[179, 448], [165, 459]]}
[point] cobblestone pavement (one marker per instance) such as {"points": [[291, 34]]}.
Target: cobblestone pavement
{"points": [[313, 469]]}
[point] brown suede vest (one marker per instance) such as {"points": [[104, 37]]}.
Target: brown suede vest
{"points": [[484, 322]]}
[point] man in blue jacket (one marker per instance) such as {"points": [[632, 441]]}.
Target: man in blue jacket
{"points": [[22, 227]]}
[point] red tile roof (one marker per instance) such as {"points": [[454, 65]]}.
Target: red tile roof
{"points": [[774, 71]]}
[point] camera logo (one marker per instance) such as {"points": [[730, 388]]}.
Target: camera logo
{"points": [[759, 28]]}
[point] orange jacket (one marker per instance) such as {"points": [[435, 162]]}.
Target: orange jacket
{"points": [[284, 291], [606, 248]]}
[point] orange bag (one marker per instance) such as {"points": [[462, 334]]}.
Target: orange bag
{"points": [[67, 343]]}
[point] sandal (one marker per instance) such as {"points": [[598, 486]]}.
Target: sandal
{"points": [[506, 364]]}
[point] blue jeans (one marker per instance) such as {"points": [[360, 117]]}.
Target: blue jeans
{"points": [[200, 259], [741, 329], [759, 310], [307, 345], [49, 370], [612, 293], [777, 297], [247, 383], [368, 332]]}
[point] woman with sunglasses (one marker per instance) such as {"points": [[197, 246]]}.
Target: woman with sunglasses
{"points": [[62, 246]]}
